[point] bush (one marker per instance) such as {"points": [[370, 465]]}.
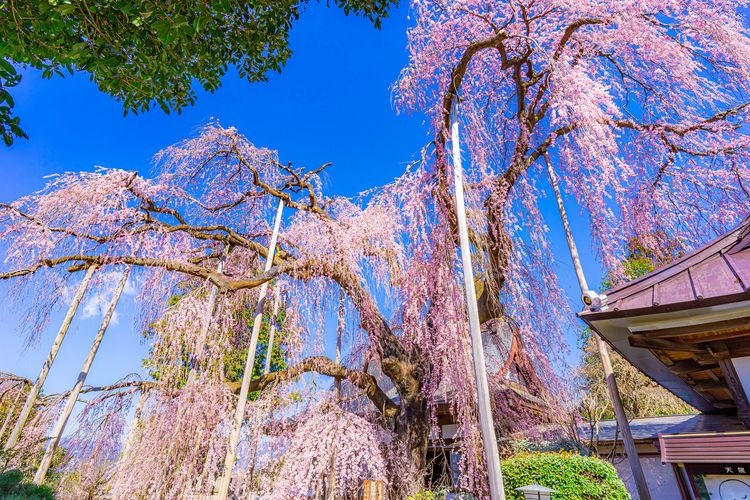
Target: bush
{"points": [[428, 495], [13, 487], [571, 475]]}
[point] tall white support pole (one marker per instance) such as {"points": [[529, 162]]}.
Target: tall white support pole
{"points": [[266, 371], [486, 423], [41, 472], [37, 387], [136, 421], [614, 392], [239, 414], [272, 329], [210, 311], [339, 336], [331, 484]]}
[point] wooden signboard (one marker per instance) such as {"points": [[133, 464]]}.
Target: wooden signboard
{"points": [[373, 490]]}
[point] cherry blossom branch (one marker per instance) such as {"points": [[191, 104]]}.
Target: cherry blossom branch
{"points": [[10, 208], [326, 366], [459, 71], [137, 384], [682, 131], [298, 182], [570, 30]]}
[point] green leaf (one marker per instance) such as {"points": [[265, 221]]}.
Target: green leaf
{"points": [[66, 9], [7, 68]]}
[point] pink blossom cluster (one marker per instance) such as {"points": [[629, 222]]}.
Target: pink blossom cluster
{"points": [[339, 450], [176, 450]]}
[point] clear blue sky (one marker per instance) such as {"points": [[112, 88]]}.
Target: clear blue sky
{"points": [[331, 103]]}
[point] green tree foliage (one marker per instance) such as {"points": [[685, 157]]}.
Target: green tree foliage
{"points": [[9, 124], [14, 487], [11, 402], [149, 53], [12, 398], [234, 359], [572, 476], [641, 396], [234, 362]]}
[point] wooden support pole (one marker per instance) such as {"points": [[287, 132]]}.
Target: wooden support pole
{"points": [[62, 420], [614, 392], [136, 421], [213, 296], [486, 422], [339, 336], [37, 387], [720, 351], [239, 414], [266, 371], [331, 483], [272, 329]]}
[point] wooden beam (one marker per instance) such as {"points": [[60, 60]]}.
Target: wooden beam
{"points": [[733, 327], [739, 348], [718, 350], [688, 366], [738, 393], [710, 385], [724, 404], [704, 358], [640, 340]]}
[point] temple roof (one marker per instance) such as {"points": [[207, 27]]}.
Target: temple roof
{"points": [[649, 428], [716, 273], [684, 324]]}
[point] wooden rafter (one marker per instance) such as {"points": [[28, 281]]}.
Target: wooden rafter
{"points": [[731, 328], [641, 340]]}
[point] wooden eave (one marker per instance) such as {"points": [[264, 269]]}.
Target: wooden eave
{"points": [[682, 323], [700, 355]]}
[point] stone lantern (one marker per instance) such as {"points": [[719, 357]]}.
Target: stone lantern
{"points": [[536, 492]]}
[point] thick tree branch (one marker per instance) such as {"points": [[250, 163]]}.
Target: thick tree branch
{"points": [[570, 30], [127, 384], [683, 130], [326, 366], [18, 212]]}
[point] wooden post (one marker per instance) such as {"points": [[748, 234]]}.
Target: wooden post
{"points": [[331, 484], [339, 335], [486, 422], [272, 329], [136, 420], [41, 472], [211, 309], [720, 351], [266, 371], [614, 392], [37, 387], [239, 414]]}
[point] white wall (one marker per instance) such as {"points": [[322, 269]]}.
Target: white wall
{"points": [[742, 365], [660, 478]]}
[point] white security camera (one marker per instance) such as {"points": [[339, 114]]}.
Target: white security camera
{"points": [[594, 300]]}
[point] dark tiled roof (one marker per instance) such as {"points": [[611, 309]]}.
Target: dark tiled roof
{"points": [[717, 273], [651, 427], [706, 448]]}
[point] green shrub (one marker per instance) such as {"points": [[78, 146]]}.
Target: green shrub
{"points": [[571, 475], [427, 495], [13, 487]]}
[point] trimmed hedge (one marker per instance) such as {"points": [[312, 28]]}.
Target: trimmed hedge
{"points": [[13, 487], [573, 476]]}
